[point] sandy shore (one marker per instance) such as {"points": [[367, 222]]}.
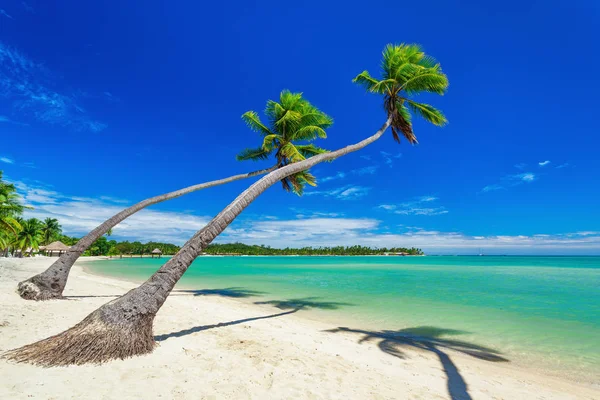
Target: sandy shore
{"points": [[212, 347]]}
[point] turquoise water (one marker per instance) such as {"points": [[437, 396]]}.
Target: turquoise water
{"points": [[533, 310]]}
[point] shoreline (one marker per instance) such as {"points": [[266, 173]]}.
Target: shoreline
{"points": [[229, 348]]}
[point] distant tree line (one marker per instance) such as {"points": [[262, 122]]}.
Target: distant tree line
{"points": [[262, 250]]}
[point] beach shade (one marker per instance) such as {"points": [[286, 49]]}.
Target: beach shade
{"points": [[156, 252], [56, 246]]}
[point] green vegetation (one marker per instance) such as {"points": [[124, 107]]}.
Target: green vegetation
{"points": [[255, 250], [406, 72], [292, 120]]}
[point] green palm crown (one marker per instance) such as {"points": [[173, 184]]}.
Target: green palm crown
{"points": [[406, 72], [293, 123]]}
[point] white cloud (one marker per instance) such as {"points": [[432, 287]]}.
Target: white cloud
{"points": [[544, 163], [521, 166], [511, 180], [79, 215], [419, 206], [525, 177], [7, 160], [351, 231], [366, 170], [27, 7], [370, 170], [296, 232], [561, 166], [2, 12], [343, 193], [339, 175], [27, 85], [388, 158], [491, 188]]}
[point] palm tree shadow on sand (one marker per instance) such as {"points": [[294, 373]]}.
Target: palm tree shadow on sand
{"points": [[235, 292], [304, 303], [291, 306], [429, 338]]}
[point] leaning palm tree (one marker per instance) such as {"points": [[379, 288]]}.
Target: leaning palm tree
{"points": [[293, 119], [123, 327], [50, 230]]}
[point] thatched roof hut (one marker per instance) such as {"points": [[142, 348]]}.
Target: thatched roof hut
{"points": [[56, 246], [157, 252]]}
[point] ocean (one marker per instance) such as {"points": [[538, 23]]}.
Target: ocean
{"points": [[533, 311]]}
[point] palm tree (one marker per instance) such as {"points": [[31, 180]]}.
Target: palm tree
{"points": [[30, 236], [10, 209], [293, 119], [407, 71], [50, 230], [123, 327]]}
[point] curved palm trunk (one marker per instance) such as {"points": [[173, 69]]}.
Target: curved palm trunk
{"points": [[51, 283], [123, 327]]}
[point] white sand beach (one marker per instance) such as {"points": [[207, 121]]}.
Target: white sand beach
{"points": [[212, 347]]}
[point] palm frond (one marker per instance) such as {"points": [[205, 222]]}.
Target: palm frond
{"points": [[253, 154], [431, 80], [253, 121], [10, 224], [290, 100], [427, 112], [366, 80], [310, 150], [396, 55], [290, 152], [274, 111], [270, 142], [315, 117], [310, 132]]}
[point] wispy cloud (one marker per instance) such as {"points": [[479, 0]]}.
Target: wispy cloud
{"points": [[524, 177], [27, 7], [512, 179], [491, 188], [425, 205], [302, 213], [370, 170], [26, 85], [388, 158], [365, 157], [343, 193], [544, 163], [339, 175], [5, 119], [79, 215], [4, 13], [561, 166], [358, 171], [7, 160]]}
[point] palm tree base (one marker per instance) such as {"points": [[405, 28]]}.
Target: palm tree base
{"points": [[112, 332], [37, 288]]}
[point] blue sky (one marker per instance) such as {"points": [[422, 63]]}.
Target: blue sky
{"points": [[106, 103]]}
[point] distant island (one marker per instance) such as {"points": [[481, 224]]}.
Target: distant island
{"points": [[262, 250]]}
